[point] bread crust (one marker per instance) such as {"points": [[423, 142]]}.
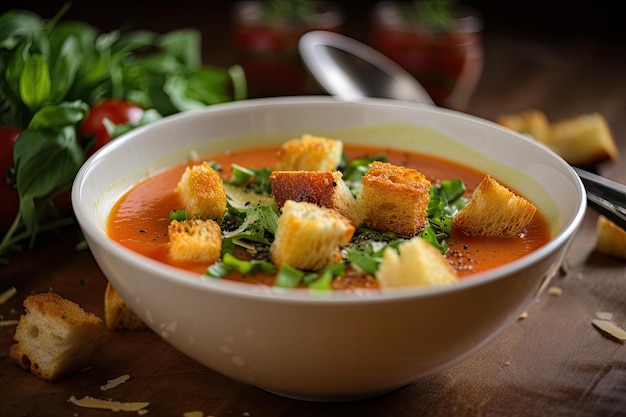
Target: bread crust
{"points": [[395, 199], [55, 337], [322, 188]]}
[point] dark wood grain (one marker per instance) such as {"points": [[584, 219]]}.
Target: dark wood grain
{"points": [[553, 363]]}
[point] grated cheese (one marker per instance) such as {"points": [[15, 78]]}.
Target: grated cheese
{"points": [[7, 294], [555, 291], [610, 329], [90, 402], [115, 382]]}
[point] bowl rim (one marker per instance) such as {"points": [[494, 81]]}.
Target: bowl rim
{"points": [[182, 277]]}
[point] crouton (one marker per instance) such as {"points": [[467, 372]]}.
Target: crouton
{"points": [[309, 153], [325, 189], [418, 263], [55, 337], [583, 140], [309, 237], [117, 314], [610, 239], [202, 192], [195, 240], [532, 122], [394, 199], [494, 210]]}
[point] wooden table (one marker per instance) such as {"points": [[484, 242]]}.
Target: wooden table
{"points": [[553, 363]]}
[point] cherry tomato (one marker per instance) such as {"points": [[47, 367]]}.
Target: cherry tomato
{"points": [[8, 195], [117, 111]]}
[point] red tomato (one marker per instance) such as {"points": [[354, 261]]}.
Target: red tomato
{"points": [[117, 111], [8, 195]]}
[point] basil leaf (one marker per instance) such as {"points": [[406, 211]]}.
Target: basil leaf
{"points": [[35, 83], [45, 160], [59, 115]]}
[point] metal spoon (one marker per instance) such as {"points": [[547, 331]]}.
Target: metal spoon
{"points": [[351, 70]]}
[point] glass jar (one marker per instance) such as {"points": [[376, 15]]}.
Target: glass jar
{"points": [[446, 60], [266, 46]]}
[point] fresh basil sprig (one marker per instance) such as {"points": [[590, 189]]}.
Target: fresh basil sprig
{"points": [[53, 71]]}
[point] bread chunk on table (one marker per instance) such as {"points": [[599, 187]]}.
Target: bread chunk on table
{"points": [[610, 239], [494, 210], [55, 337], [323, 188], [394, 199], [309, 237], [309, 153], [118, 315]]}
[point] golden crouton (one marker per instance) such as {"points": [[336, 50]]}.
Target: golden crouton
{"points": [[195, 240], [309, 237], [418, 264], [55, 337], [117, 314], [309, 153], [532, 122], [202, 192], [583, 140], [610, 239], [494, 210], [323, 188], [394, 199]]}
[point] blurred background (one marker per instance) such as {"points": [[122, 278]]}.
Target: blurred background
{"points": [[537, 22], [549, 20]]}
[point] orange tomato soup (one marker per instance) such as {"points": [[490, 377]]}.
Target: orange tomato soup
{"points": [[140, 218]]}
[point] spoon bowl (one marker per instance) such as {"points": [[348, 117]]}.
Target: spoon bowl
{"points": [[351, 70]]}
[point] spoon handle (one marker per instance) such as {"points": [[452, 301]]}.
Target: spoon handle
{"points": [[607, 197]]}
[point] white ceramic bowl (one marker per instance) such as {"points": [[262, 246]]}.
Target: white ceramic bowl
{"points": [[338, 347]]}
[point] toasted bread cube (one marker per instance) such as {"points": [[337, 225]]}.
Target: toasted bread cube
{"points": [[55, 337], [418, 263], [201, 191], [610, 239], [309, 153], [117, 314], [494, 210], [532, 122], [394, 199], [583, 140], [323, 188], [309, 237], [195, 240]]}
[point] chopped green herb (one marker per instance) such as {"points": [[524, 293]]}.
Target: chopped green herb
{"points": [[231, 263], [179, 215], [289, 277]]}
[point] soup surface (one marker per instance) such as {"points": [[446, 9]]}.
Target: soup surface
{"points": [[140, 218]]}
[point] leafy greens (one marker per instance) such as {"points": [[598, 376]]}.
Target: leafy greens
{"points": [[54, 71]]}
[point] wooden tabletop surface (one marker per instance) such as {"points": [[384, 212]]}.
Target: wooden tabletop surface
{"points": [[553, 363]]}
